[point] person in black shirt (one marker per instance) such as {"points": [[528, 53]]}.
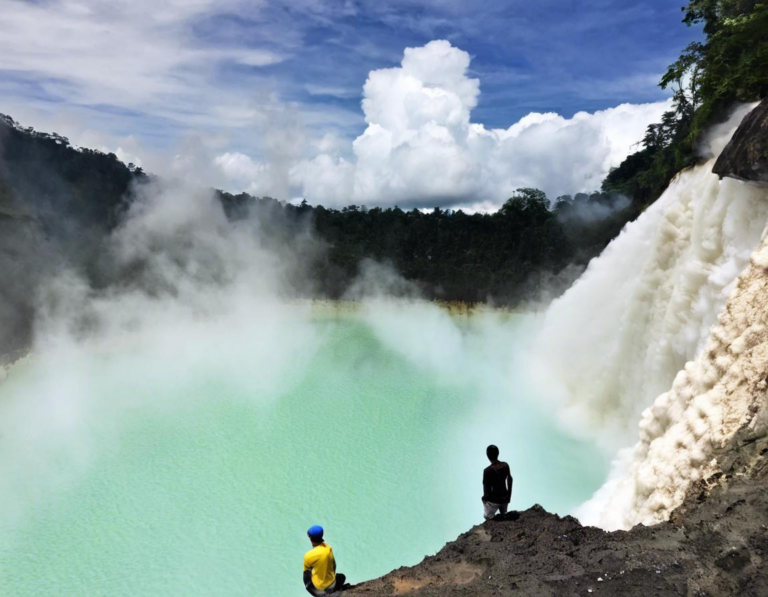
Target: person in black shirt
{"points": [[497, 485]]}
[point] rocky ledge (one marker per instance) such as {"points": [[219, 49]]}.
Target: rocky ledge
{"points": [[716, 544], [746, 155]]}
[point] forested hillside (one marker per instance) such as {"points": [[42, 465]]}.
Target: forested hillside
{"points": [[43, 175], [506, 257], [57, 205], [76, 196]]}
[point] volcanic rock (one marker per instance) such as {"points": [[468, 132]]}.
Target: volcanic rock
{"points": [[715, 545], [746, 155]]}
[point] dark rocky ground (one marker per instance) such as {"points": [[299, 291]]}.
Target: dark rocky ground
{"points": [[746, 155], [716, 544]]}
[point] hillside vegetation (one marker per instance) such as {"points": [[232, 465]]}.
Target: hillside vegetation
{"points": [[709, 78], [526, 248]]}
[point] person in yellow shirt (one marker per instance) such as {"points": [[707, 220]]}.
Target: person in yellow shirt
{"points": [[320, 577]]}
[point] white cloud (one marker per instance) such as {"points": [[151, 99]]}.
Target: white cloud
{"points": [[126, 156], [130, 54], [420, 146], [330, 91], [238, 166], [243, 173], [239, 172]]}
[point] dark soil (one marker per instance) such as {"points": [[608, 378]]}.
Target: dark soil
{"points": [[716, 544]]}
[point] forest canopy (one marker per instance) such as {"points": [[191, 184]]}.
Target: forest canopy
{"points": [[730, 66]]}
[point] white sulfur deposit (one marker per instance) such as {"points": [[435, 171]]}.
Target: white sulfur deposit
{"points": [[645, 306], [640, 318], [716, 403]]}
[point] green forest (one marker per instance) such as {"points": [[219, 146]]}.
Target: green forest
{"points": [[505, 257], [730, 66]]}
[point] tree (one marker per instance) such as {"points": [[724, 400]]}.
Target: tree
{"points": [[532, 201], [709, 77]]}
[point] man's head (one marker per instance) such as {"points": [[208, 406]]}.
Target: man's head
{"points": [[315, 534], [492, 452]]}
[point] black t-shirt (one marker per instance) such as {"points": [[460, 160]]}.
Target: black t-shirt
{"points": [[496, 488]]}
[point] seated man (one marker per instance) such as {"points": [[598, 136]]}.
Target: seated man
{"points": [[497, 485], [320, 576]]}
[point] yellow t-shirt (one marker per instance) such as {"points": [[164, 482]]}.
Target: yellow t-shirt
{"points": [[320, 560]]}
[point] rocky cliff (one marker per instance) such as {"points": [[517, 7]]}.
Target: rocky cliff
{"points": [[713, 544], [746, 156], [717, 545]]}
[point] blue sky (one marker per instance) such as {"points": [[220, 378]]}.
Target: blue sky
{"points": [[152, 75], [550, 55]]}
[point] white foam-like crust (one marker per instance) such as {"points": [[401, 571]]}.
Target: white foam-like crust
{"points": [[644, 319], [616, 340], [716, 402]]}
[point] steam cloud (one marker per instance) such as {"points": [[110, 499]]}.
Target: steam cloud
{"points": [[190, 291], [194, 300]]}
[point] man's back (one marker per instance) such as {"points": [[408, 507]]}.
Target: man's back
{"points": [[321, 562], [496, 490]]}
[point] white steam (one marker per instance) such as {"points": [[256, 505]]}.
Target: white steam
{"points": [[199, 309], [194, 293], [617, 340]]}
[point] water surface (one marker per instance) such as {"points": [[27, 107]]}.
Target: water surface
{"points": [[205, 480]]}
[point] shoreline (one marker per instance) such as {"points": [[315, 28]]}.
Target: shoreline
{"points": [[453, 307], [322, 308]]}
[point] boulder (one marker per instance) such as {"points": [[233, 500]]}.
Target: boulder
{"points": [[746, 155]]}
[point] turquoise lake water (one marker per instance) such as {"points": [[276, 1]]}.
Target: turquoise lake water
{"points": [[204, 481]]}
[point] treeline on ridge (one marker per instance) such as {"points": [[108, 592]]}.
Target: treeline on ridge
{"points": [[515, 254], [77, 196]]}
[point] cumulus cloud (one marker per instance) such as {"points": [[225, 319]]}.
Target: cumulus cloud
{"points": [[421, 148]]}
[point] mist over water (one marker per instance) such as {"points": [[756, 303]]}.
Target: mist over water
{"points": [[190, 477], [177, 431], [177, 428]]}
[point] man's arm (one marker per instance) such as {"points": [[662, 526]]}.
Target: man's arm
{"points": [[307, 576], [486, 488], [508, 482]]}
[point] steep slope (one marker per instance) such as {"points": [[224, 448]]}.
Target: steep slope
{"points": [[57, 204], [718, 547]]}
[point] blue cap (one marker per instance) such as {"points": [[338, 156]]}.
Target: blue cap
{"points": [[315, 532]]}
